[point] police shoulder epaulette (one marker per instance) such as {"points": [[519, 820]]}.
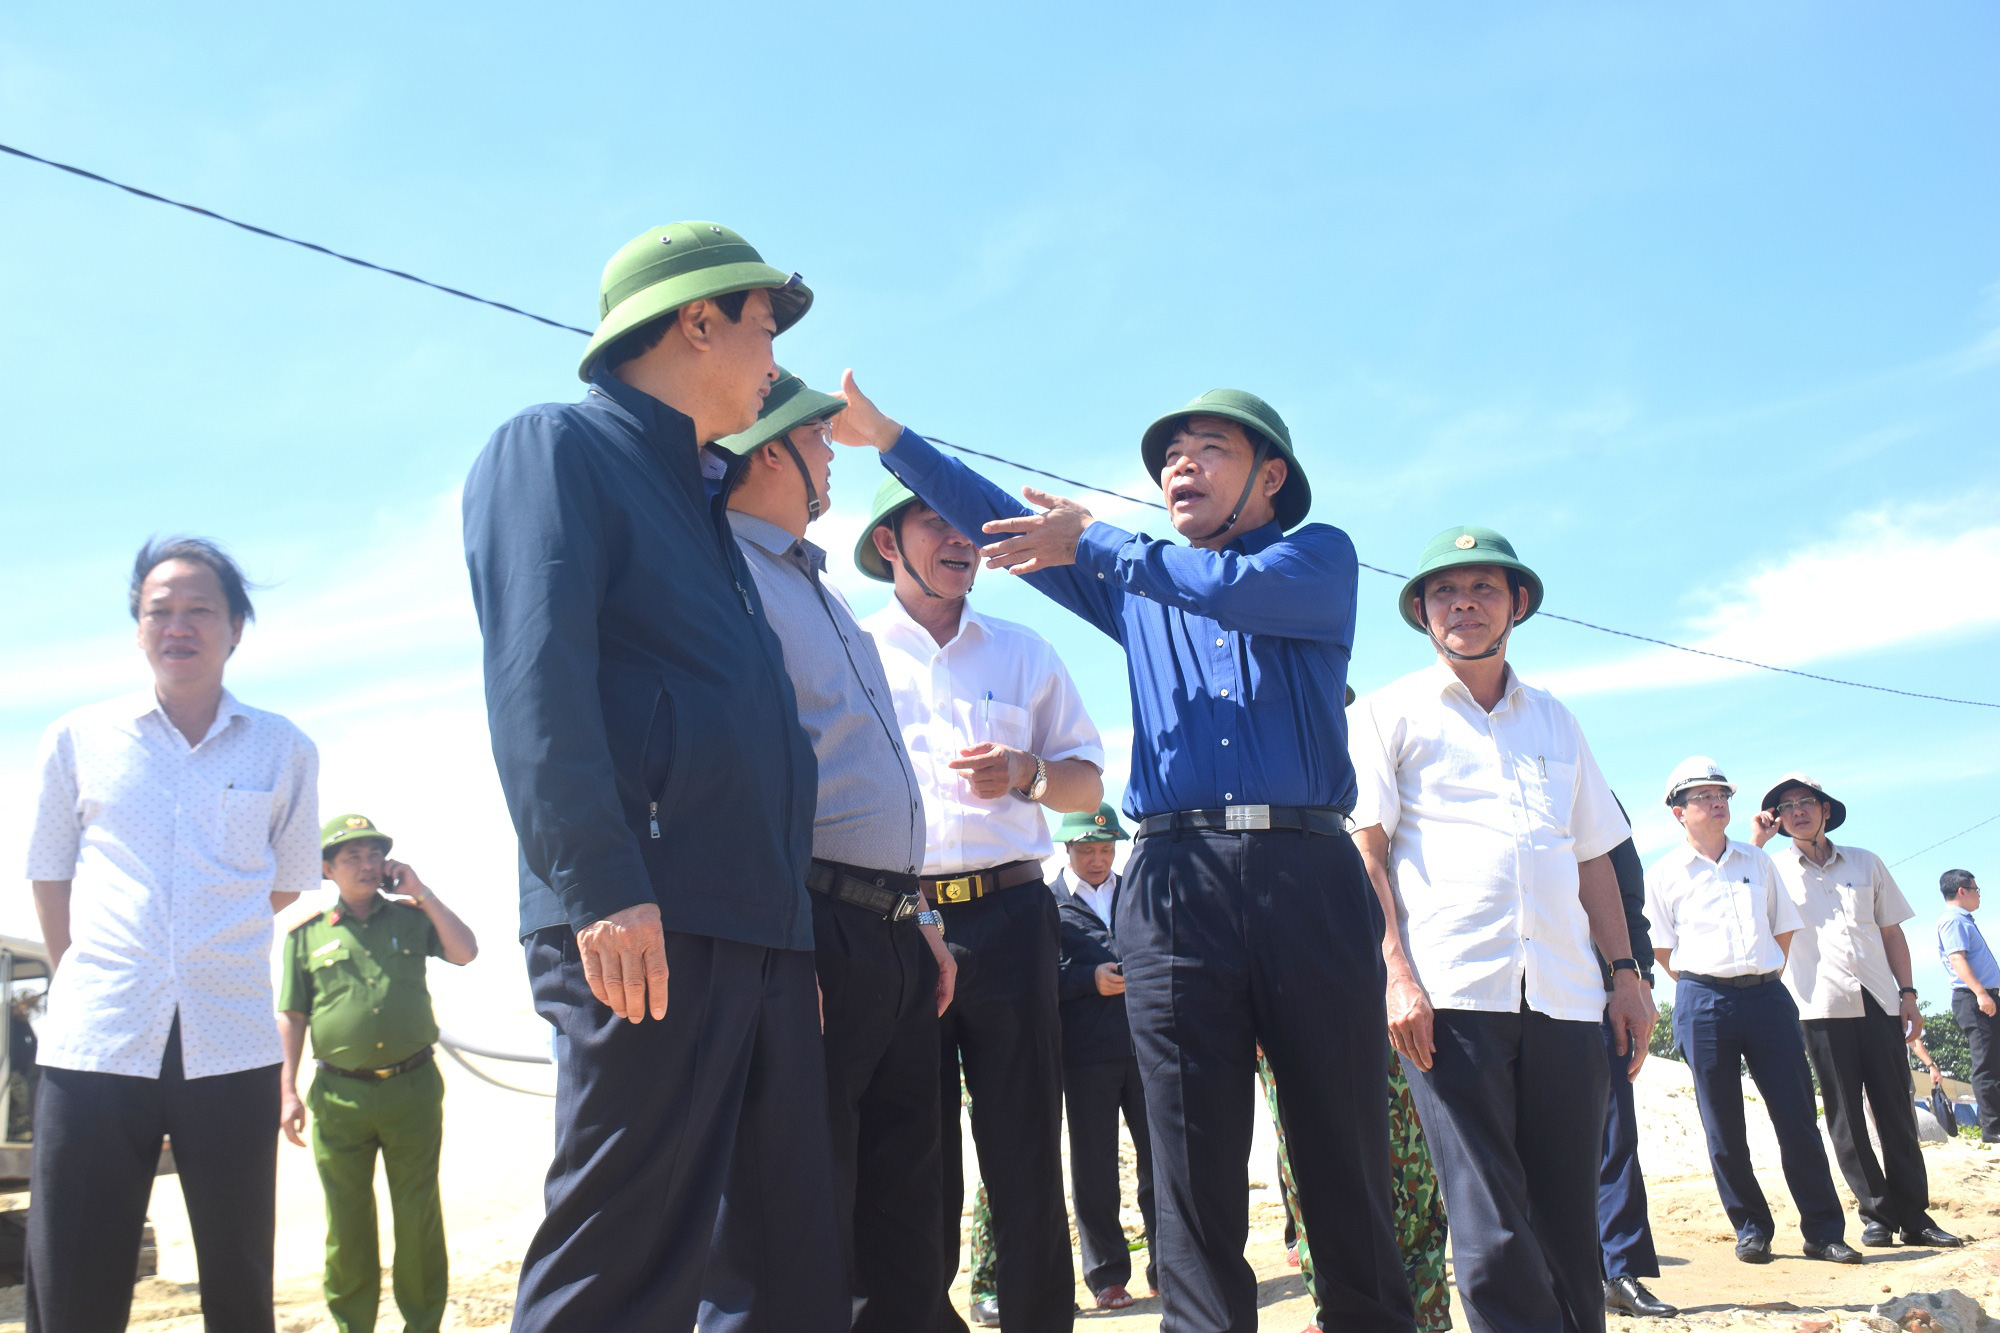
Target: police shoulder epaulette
{"points": [[306, 921]]}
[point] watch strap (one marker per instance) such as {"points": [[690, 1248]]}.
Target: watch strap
{"points": [[1624, 965]]}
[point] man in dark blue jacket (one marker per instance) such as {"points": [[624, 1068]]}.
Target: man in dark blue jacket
{"points": [[1100, 1070], [650, 751]]}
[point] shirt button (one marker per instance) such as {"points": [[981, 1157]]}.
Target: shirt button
{"points": [[1225, 694], [1100, 576], [378, 1045], [1218, 643], [1229, 796], [1225, 740]]}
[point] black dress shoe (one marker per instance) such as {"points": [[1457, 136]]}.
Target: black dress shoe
{"points": [[1754, 1249], [1833, 1252], [1934, 1236], [986, 1313], [1876, 1236], [1630, 1295]]}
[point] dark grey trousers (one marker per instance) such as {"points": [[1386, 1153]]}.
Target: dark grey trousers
{"points": [[1857, 1057], [1513, 1110]]}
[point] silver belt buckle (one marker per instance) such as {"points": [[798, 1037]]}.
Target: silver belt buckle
{"points": [[905, 908], [1249, 817]]}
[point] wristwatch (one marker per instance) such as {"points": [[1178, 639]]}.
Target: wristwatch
{"points": [[1624, 965], [1041, 782], [931, 917], [1910, 991]]}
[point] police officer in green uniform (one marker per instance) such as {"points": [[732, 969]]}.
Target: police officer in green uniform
{"points": [[354, 975]]}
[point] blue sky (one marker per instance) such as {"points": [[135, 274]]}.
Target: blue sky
{"points": [[1700, 306]]}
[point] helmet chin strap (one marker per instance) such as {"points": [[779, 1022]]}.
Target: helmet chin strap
{"points": [[815, 506], [1499, 644], [896, 536], [1256, 470]]}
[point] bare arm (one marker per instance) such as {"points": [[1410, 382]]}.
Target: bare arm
{"points": [[1411, 1018], [280, 901], [1630, 1010], [52, 910], [1074, 785], [1785, 944], [1963, 971], [455, 938], [992, 770], [291, 1111], [1898, 950]]}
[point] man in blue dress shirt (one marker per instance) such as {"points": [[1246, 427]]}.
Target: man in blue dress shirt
{"points": [[1975, 976], [1246, 915]]}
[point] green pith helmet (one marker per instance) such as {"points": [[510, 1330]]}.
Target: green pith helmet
{"points": [[1086, 826], [790, 403], [1255, 415], [890, 496], [669, 266], [350, 828], [1467, 545]]}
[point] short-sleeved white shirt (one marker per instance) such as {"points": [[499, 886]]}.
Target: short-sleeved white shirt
{"points": [[994, 681], [172, 852], [1839, 953], [1488, 816], [1720, 918]]}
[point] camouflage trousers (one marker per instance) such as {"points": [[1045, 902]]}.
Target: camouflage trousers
{"points": [[1413, 1187]]}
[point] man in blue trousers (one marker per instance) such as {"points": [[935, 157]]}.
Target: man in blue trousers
{"points": [[649, 747], [1245, 916], [1722, 923]]}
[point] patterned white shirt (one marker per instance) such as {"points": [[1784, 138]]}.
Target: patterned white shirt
{"points": [[172, 852], [995, 681], [1488, 816]]}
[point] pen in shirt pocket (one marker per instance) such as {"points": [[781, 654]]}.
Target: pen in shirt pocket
{"points": [[986, 717]]}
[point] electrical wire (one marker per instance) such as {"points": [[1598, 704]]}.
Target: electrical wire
{"points": [[957, 448], [1942, 841]]}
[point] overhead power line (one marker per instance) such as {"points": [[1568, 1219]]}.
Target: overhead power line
{"points": [[995, 458], [1942, 841]]}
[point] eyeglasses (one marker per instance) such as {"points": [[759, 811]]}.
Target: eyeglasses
{"points": [[1802, 806], [1704, 798]]}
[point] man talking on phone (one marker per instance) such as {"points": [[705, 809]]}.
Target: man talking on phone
{"points": [[354, 977]]}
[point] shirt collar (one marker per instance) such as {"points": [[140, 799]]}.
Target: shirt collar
{"points": [[1252, 542], [146, 704], [969, 619], [647, 412], [1446, 680]]}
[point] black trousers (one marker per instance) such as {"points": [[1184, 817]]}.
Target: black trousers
{"points": [[878, 982], [1624, 1231], [97, 1145], [1513, 1109], [1232, 940], [1861, 1056], [1982, 1037], [1005, 1030], [1720, 1029], [699, 1135], [1095, 1094]]}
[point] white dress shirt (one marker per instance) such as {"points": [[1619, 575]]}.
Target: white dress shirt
{"points": [[1843, 907], [994, 681], [1488, 816], [1720, 918], [172, 852], [1098, 899]]}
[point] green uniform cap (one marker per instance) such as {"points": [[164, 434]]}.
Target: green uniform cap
{"points": [[890, 497], [1083, 826], [346, 828], [790, 403], [1255, 415], [1467, 545], [669, 266]]}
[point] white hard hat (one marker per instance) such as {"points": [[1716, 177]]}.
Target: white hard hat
{"points": [[1697, 770]]}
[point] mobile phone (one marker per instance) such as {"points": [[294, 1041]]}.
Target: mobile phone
{"points": [[390, 881]]}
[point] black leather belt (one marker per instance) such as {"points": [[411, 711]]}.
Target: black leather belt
{"points": [[1250, 819], [887, 892], [980, 883], [1731, 983], [417, 1061]]}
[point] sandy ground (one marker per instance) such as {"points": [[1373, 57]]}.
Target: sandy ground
{"points": [[497, 1148]]}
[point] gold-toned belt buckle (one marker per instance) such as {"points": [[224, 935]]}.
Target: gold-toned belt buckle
{"points": [[956, 890], [1246, 816]]}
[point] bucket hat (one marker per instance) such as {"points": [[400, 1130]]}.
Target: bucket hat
{"points": [[1099, 825], [1697, 770], [1467, 545], [890, 497], [790, 403], [350, 828], [1835, 817], [667, 267], [1255, 415]]}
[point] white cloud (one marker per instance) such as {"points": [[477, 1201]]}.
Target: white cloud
{"points": [[1886, 579]]}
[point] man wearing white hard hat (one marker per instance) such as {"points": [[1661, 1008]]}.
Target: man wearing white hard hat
{"points": [[1722, 923], [1849, 971]]}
